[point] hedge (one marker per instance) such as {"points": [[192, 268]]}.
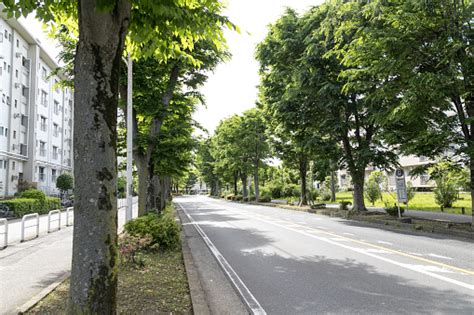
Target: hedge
{"points": [[22, 206]]}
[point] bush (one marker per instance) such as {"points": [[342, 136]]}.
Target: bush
{"points": [[446, 195], [25, 185], [163, 229], [22, 206], [246, 199], [325, 195], [252, 198], [393, 211], [372, 191], [33, 194], [314, 194], [344, 205], [130, 248], [264, 191], [238, 198], [265, 198], [276, 191], [53, 203]]}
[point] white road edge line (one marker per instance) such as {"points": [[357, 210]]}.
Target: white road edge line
{"points": [[364, 252], [244, 292]]}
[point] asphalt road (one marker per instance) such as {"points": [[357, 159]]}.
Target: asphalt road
{"points": [[289, 262], [29, 267]]}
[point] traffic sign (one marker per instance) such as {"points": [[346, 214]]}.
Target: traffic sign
{"points": [[401, 186]]}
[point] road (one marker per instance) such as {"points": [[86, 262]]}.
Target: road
{"points": [[290, 262], [29, 267]]}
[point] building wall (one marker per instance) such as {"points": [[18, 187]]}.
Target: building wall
{"points": [[35, 113]]}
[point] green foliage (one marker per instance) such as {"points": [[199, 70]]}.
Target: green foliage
{"points": [[291, 191], [372, 191], [448, 178], [33, 194], [131, 246], [121, 187], [276, 190], [53, 203], [265, 198], [22, 206], [325, 194], [393, 210], [64, 182], [344, 205], [163, 230], [410, 191]]}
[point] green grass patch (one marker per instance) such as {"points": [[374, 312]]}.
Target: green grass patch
{"points": [[424, 201]]}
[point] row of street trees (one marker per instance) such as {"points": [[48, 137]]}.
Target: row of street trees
{"points": [[357, 82], [173, 42]]}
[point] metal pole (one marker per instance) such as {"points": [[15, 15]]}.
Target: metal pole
{"points": [[128, 211]]}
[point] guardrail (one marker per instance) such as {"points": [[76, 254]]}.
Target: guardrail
{"points": [[50, 214], [69, 213], [5, 233], [23, 227]]}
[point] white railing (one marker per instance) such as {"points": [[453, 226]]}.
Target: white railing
{"points": [[58, 219], [23, 227], [69, 213], [5, 233]]}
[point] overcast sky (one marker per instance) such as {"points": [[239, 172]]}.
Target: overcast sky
{"points": [[232, 88]]}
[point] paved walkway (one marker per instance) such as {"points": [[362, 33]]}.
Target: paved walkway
{"points": [[29, 267]]}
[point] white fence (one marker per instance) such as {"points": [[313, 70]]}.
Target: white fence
{"points": [[25, 220], [51, 219], [4, 233]]}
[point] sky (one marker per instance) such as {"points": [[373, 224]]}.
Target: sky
{"points": [[232, 87]]}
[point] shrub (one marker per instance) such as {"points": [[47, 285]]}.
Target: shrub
{"points": [[130, 246], [33, 194], [276, 191], [252, 198], [265, 198], [393, 211], [22, 206], [264, 191], [325, 195], [314, 194], [25, 185], [344, 205], [163, 229], [446, 195], [64, 182], [246, 199], [372, 191], [53, 203], [238, 197]]}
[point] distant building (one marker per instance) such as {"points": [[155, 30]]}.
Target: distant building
{"points": [[407, 163], [36, 116]]}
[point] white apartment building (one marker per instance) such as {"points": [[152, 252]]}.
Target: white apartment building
{"points": [[36, 115]]}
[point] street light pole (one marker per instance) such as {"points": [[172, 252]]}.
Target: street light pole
{"points": [[128, 212]]}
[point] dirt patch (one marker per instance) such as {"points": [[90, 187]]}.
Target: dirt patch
{"points": [[159, 287]]}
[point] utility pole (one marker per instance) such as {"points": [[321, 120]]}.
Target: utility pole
{"points": [[128, 211]]}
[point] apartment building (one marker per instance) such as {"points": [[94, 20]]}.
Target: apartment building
{"points": [[36, 115]]}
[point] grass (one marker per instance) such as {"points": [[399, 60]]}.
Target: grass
{"points": [[159, 287], [424, 201]]}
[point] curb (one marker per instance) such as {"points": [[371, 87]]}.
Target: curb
{"points": [[198, 300], [42, 294]]}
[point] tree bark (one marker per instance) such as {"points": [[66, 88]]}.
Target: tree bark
{"points": [[236, 178], [471, 184], [358, 197], [243, 178], [257, 188], [303, 168], [142, 172], [96, 79], [333, 186]]}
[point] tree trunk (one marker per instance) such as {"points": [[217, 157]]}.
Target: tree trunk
{"points": [[243, 178], [257, 188], [472, 189], [236, 177], [96, 79], [333, 186], [358, 203], [303, 168]]}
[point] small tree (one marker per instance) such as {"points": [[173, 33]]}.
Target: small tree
{"points": [[64, 182], [372, 190], [446, 175], [410, 191]]}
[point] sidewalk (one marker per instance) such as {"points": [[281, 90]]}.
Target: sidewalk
{"points": [[29, 267]]}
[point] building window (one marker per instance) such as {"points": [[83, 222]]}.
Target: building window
{"points": [[42, 148], [55, 130], [56, 107], [1, 37], [16, 73], [43, 125], [1, 131], [41, 174], [14, 134], [55, 153], [44, 98], [53, 175], [44, 74], [13, 165]]}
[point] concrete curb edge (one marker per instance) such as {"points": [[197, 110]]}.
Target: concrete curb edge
{"points": [[42, 294], [198, 299]]}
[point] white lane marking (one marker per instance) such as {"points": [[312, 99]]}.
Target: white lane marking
{"points": [[362, 251], [415, 254], [322, 227], [350, 234], [245, 293], [431, 268], [439, 256], [383, 242], [377, 251]]}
